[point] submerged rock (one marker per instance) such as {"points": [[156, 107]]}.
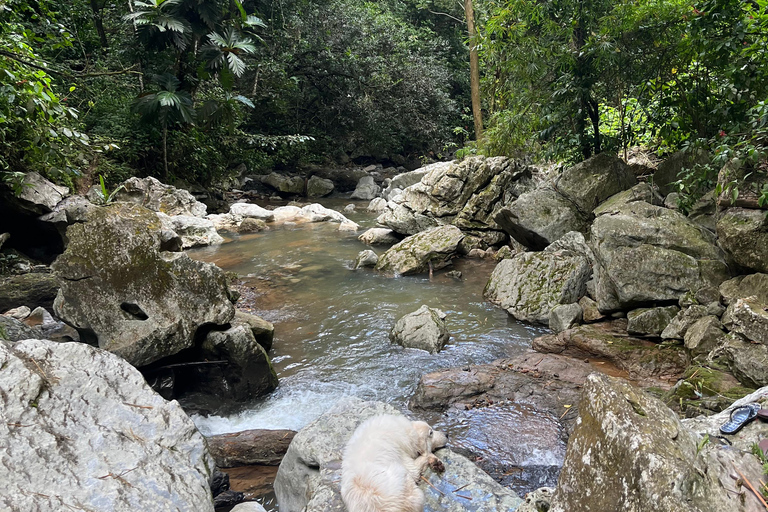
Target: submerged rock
{"points": [[120, 291], [366, 258], [436, 246], [81, 429], [308, 478], [423, 329]]}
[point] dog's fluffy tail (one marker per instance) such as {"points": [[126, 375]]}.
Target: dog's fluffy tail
{"points": [[360, 496]]}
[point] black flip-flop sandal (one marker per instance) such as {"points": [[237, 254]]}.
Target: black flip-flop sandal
{"points": [[740, 416]]}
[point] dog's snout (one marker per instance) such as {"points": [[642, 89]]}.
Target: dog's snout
{"points": [[439, 440]]}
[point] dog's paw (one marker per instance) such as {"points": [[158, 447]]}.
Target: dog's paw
{"points": [[436, 464]]}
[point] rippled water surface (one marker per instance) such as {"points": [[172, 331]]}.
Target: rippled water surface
{"points": [[332, 323]]}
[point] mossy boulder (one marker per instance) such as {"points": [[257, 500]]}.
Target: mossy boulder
{"points": [[648, 254], [531, 284], [741, 287], [704, 336], [743, 233], [650, 321], [629, 451], [31, 290], [749, 318], [589, 183], [121, 292], [415, 254]]}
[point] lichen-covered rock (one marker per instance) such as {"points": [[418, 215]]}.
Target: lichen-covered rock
{"points": [[33, 289], [292, 185], [310, 473], [402, 220], [263, 331], [120, 291], [366, 189], [743, 234], [640, 192], [539, 217], [529, 285], [749, 318], [158, 197], [678, 326], [319, 187], [12, 329], [704, 336], [423, 329], [539, 500], [630, 452], [649, 254], [67, 212], [564, 317], [590, 311], [436, 246], [746, 361], [366, 258], [80, 429], [379, 236], [741, 287], [589, 183], [650, 320], [406, 179], [37, 195]]}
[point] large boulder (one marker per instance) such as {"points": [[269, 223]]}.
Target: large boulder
{"points": [[291, 185], [631, 452], [423, 329], [640, 192], [250, 211], [741, 287], [519, 284], [158, 197], [401, 219], [194, 231], [366, 189], [31, 290], [308, 478], [589, 183], [743, 234], [120, 291], [36, 195], [82, 430], [415, 254], [406, 179], [668, 171], [319, 187], [648, 254], [749, 318]]}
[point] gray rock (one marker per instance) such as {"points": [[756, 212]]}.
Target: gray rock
{"points": [[379, 236], [538, 218], [67, 212], [158, 197], [743, 234], [741, 287], [630, 452], [377, 205], [592, 181], [310, 472], [406, 179], [120, 291], [286, 184], [436, 246], [651, 321], [250, 447], [667, 172], [4, 238], [539, 500], [251, 225], [564, 317], [649, 254], [640, 192], [590, 312], [319, 187], [678, 326], [251, 211], [704, 336], [516, 284], [423, 329], [749, 318], [248, 506], [366, 189], [402, 220], [82, 430], [37, 195], [672, 201], [366, 258], [194, 231], [12, 329], [746, 361], [19, 313], [32, 290], [263, 331]]}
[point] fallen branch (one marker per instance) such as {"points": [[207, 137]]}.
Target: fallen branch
{"points": [[139, 406], [751, 488], [432, 486]]}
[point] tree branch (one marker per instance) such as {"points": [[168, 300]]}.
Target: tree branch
{"points": [[52, 71], [448, 15]]}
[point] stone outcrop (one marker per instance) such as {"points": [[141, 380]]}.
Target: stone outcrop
{"points": [[32, 289], [120, 291], [158, 197], [193, 231], [630, 452], [531, 284], [82, 430], [743, 233], [423, 329], [308, 478], [415, 254], [648, 254], [37, 195], [250, 447]]}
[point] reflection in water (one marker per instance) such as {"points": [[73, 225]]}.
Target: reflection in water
{"points": [[332, 323]]}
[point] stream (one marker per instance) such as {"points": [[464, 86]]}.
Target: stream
{"points": [[332, 323]]}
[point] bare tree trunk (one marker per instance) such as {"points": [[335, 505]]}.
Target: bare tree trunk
{"points": [[474, 70], [165, 154], [98, 23]]}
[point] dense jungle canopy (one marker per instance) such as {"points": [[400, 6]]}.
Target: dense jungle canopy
{"points": [[195, 89]]}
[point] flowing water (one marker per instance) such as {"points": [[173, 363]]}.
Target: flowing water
{"points": [[332, 323]]}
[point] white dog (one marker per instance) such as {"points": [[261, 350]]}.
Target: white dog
{"points": [[383, 462]]}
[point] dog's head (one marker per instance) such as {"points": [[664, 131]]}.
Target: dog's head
{"points": [[429, 439]]}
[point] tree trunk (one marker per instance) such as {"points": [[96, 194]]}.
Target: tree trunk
{"points": [[165, 154], [98, 23], [474, 70]]}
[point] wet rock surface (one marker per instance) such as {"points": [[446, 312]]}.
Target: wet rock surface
{"points": [[250, 447], [433, 248], [423, 329]]}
